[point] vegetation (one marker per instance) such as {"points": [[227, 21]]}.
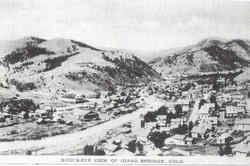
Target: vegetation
{"points": [[15, 106], [23, 86], [55, 62], [22, 54], [157, 138], [92, 150]]}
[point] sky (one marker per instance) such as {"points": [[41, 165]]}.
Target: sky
{"points": [[148, 25]]}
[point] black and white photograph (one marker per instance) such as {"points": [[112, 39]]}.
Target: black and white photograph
{"points": [[134, 78]]}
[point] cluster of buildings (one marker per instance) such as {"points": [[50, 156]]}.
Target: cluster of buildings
{"points": [[215, 114]]}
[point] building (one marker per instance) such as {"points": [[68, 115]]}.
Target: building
{"points": [[222, 138], [231, 112], [237, 97], [176, 122], [189, 140], [213, 120], [185, 104], [198, 131], [241, 150], [242, 124], [161, 120], [150, 125], [222, 113], [242, 107]]}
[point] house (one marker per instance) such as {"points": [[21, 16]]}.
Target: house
{"points": [[196, 93], [42, 112], [161, 120], [189, 140], [109, 148], [230, 88], [237, 97], [176, 122], [231, 112], [242, 107], [241, 150], [150, 125], [242, 124], [211, 107], [80, 99], [222, 113], [91, 116], [185, 104], [222, 138], [198, 131], [220, 99], [213, 120], [166, 129], [174, 140]]}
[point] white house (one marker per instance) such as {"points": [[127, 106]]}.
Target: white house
{"points": [[222, 138], [161, 120], [184, 103], [231, 112], [241, 150], [242, 124]]}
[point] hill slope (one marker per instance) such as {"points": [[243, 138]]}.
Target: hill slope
{"points": [[210, 55], [67, 65]]}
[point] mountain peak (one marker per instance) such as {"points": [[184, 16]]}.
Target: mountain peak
{"points": [[30, 39], [208, 42]]}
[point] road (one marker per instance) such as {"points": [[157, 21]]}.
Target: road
{"points": [[195, 112], [68, 143]]}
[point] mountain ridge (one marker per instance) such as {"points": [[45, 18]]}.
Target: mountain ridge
{"points": [[208, 55]]}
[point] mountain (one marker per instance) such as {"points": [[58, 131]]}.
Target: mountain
{"points": [[62, 65], [209, 55]]}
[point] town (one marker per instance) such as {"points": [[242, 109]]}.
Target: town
{"points": [[197, 119], [178, 116]]}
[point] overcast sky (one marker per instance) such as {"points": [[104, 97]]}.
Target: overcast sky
{"points": [[129, 24]]}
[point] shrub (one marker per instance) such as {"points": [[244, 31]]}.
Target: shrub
{"points": [[23, 86]]}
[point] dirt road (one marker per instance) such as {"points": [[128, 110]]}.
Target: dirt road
{"points": [[195, 112]]}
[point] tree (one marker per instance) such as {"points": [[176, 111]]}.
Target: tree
{"points": [[213, 99], [140, 147], [228, 149], [162, 110], [132, 146], [182, 129], [221, 151], [202, 102], [157, 138], [178, 109], [190, 125], [88, 150], [150, 117], [99, 152]]}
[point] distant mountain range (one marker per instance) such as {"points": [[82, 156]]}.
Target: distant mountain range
{"points": [[209, 55], [67, 65]]}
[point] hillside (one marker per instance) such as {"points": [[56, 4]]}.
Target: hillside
{"points": [[209, 55], [62, 65]]}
